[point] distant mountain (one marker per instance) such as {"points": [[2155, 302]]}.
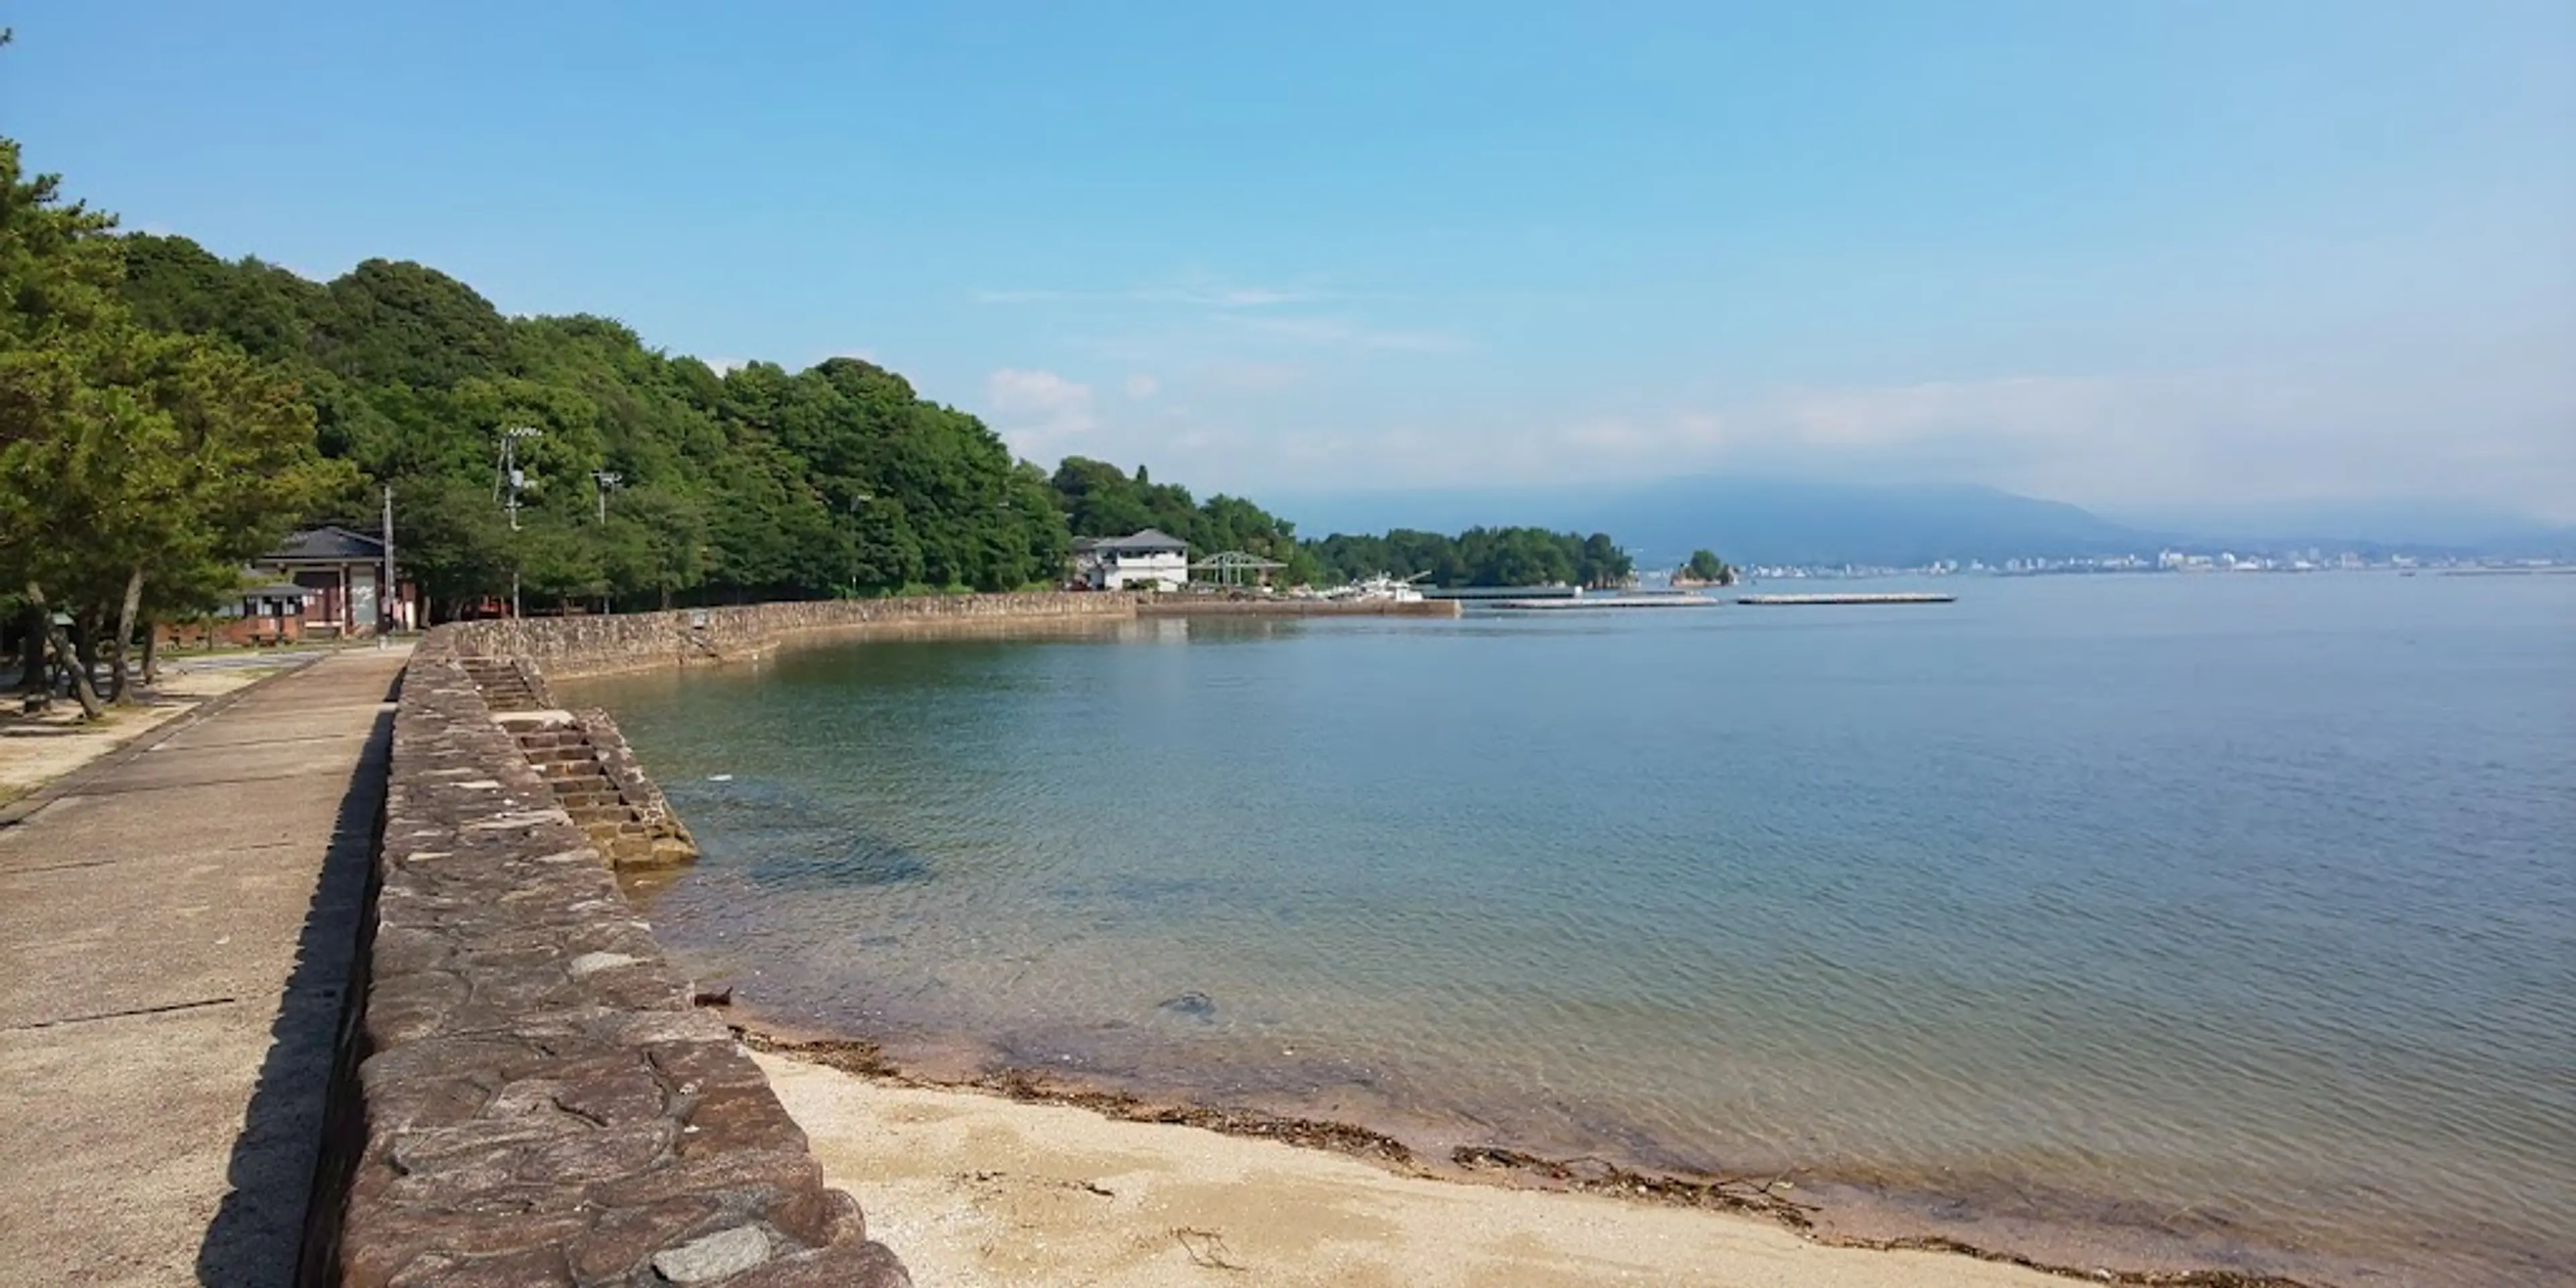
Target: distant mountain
{"points": [[1756, 521], [2378, 524], [1806, 521]]}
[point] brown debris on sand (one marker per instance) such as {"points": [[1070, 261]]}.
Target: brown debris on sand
{"points": [[867, 1060]]}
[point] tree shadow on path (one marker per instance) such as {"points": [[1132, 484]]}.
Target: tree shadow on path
{"points": [[260, 1232]]}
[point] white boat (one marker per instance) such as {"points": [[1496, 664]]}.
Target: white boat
{"points": [[1380, 589]]}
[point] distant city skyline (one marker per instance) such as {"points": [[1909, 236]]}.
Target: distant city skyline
{"points": [[2140, 258]]}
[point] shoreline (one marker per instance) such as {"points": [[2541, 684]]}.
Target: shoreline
{"points": [[980, 1190], [1834, 1216], [1890, 1215]]}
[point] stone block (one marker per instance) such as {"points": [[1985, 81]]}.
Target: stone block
{"points": [[527, 1268], [733, 1117], [848, 1265], [762, 1177], [712, 1257], [620, 1244]]}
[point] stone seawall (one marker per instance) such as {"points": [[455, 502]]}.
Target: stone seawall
{"points": [[535, 1100], [569, 646]]}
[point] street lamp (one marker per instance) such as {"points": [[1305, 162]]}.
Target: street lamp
{"points": [[605, 480], [515, 480], [511, 476]]}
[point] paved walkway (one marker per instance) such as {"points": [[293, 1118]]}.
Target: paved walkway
{"points": [[175, 937]]}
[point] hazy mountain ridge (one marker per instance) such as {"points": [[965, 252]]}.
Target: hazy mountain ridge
{"points": [[1811, 522]]}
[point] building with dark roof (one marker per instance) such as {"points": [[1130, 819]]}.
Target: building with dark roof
{"points": [[342, 574]]}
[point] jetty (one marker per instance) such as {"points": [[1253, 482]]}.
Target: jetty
{"points": [[1473, 593], [1290, 606], [1586, 603], [1884, 597]]}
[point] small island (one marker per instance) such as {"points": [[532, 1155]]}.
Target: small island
{"points": [[1703, 569]]}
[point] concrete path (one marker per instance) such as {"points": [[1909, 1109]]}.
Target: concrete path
{"points": [[176, 933]]}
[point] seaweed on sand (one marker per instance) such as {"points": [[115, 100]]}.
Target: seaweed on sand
{"points": [[1768, 1198], [1029, 1086], [1596, 1176]]}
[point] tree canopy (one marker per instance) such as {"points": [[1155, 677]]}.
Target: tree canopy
{"points": [[143, 466], [1099, 500], [753, 483], [167, 414], [1480, 557], [1705, 566]]}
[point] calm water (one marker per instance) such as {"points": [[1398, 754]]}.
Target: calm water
{"points": [[2224, 918]]}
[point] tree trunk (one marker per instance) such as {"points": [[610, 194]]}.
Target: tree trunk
{"points": [[119, 691], [151, 652], [666, 599], [84, 639], [65, 655], [31, 653]]}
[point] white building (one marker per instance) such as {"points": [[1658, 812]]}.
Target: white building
{"points": [[1148, 560]]}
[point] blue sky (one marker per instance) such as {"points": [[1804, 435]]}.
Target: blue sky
{"points": [[2135, 255]]}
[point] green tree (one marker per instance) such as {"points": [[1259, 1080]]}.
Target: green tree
{"points": [[134, 457], [1705, 566], [656, 541]]}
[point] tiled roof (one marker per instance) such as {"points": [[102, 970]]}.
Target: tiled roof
{"points": [[1148, 540], [328, 545]]}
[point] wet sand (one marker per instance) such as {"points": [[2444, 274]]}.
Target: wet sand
{"points": [[1998, 1223], [977, 1189]]}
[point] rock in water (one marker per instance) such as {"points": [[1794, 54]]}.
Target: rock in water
{"points": [[1197, 1006]]}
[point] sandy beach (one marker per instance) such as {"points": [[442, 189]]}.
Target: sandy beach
{"points": [[974, 1189]]}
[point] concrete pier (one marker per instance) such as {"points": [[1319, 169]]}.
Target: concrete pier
{"points": [[179, 924], [1901, 597]]}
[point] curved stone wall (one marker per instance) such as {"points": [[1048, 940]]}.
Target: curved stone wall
{"points": [[535, 1101], [568, 646]]}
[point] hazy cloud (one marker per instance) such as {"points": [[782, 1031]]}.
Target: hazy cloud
{"points": [[1197, 296], [2115, 442], [1141, 387], [1034, 408], [1343, 334]]}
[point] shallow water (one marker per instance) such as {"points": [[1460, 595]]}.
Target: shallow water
{"points": [[2233, 915]]}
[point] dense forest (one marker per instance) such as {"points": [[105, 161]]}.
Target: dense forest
{"points": [[1479, 557], [1099, 500], [167, 414]]}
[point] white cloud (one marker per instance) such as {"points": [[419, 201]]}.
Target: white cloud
{"points": [[1246, 297], [726, 366], [1340, 334], [1192, 296], [1141, 387], [1033, 408], [2017, 407], [1249, 376]]}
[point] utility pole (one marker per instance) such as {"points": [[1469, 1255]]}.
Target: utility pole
{"points": [[387, 599], [605, 479], [514, 481]]}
